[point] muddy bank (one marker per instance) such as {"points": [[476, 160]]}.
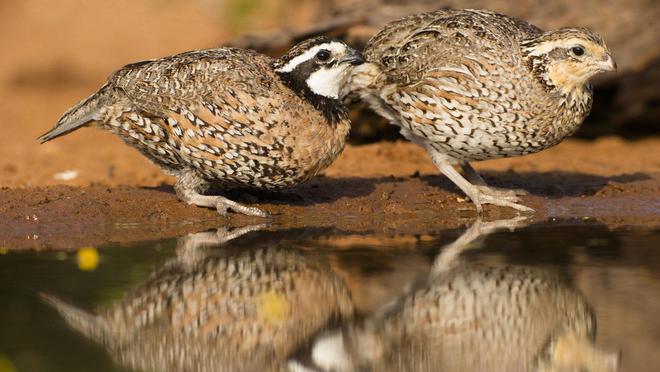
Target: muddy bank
{"points": [[386, 189], [89, 188]]}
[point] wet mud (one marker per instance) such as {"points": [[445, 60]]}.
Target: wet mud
{"points": [[383, 189]]}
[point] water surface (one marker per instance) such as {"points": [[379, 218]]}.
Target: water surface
{"points": [[567, 294]]}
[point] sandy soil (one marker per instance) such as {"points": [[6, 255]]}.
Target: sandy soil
{"points": [[117, 195], [386, 188]]}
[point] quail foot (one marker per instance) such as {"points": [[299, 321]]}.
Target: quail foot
{"points": [[470, 85], [227, 118]]}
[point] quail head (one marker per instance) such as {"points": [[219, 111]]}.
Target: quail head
{"points": [[225, 118], [471, 85]]}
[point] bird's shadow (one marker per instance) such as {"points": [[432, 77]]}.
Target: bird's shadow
{"points": [[319, 190], [322, 189], [546, 184]]}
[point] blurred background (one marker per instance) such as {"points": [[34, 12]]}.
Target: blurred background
{"points": [[56, 53]]}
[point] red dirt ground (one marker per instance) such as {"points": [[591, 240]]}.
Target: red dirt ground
{"points": [[395, 190]]}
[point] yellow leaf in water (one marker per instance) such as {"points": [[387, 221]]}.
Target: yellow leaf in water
{"points": [[3, 250], [87, 258], [6, 365], [272, 307]]}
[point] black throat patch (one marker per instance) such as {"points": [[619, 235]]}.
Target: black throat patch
{"points": [[331, 108]]}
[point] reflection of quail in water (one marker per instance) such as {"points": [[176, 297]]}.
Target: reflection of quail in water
{"points": [[474, 317], [228, 117], [486, 318], [472, 85], [241, 312]]}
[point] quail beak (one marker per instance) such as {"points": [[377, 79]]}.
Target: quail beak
{"points": [[608, 63], [353, 57]]}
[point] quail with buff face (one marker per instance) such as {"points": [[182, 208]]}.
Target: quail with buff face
{"points": [[470, 85]]}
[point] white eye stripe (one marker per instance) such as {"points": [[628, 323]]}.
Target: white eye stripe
{"points": [[334, 47], [546, 47]]}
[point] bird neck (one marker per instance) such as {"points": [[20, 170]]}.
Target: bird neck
{"points": [[332, 108], [574, 99]]}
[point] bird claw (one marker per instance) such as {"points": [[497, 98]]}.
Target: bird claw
{"points": [[511, 224], [219, 203], [506, 194], [222, 209], [189, 247], [223, 205], [511, 202]]}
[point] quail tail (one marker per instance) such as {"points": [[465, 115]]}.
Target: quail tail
{"points": [[79, 115], [87, 323]]}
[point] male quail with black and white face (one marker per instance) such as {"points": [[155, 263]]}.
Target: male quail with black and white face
{"points": [[228, 117], [233, 310], [472, 85]]}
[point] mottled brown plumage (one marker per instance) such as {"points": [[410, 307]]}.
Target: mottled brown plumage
{"points": [[233, 311], [472, 85], [228, 117], [484, 318], [473, 316]]}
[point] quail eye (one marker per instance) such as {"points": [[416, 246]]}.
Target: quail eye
{"points": [[323, 55], [578, 50]]}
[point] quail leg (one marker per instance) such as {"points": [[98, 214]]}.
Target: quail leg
{"points": [[189, 248], [479, 229], [223, 205], [186, 189], [475, 178], [477, 196], [449, 257]]}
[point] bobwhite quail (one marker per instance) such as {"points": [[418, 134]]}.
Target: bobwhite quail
{"points": [[475, 318], [470, 316], [472, 85], [243, 310], [225, 118]]}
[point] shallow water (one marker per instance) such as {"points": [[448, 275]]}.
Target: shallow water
{"points": [[316, 299]]}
